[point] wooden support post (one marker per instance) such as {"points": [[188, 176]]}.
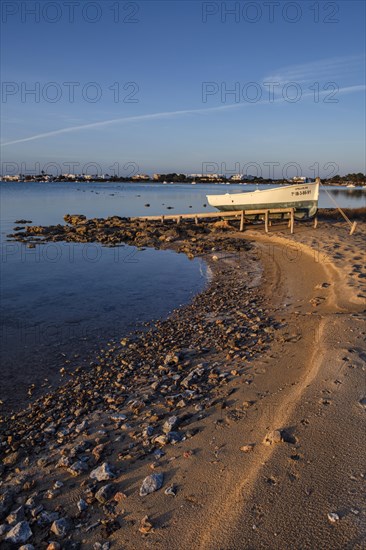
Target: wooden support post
{"points": [[179, 219], [266, 217], [196, 220], [242, 221], [315, 222], [162, 219], [353, 228], [292, 221]]}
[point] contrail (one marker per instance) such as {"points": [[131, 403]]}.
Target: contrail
{"points": [[150, 116], [168, 114]]}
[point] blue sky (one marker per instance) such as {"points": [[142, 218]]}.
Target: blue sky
{"points": [[151, 86]]}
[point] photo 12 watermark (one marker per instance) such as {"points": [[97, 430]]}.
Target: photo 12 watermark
{"points": [[268, 92], [67, 170], [70, 12], [270, 12], [69, 92], [65, 252], [248, 171]]}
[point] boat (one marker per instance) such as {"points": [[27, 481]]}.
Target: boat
{"points": [[350, 185], [303, 198]]}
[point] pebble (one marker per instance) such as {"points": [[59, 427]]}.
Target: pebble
{"points": [[146, 526], [77, 468], [333, 517], [20, 533], [247, 448], [16, 516], [60, 527], [118, 417], [105, 493], [170, 424], [171, 490], [273, 437], [102, 473], [82, 505], [151, 484]]}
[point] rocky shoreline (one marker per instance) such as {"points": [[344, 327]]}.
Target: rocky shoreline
{"points": [[136, 451], [87, 440]]}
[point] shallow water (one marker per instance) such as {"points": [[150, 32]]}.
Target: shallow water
{"points": [[60, 300]]}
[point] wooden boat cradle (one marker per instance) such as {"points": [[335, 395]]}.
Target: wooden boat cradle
{"points": [[234, 213]]}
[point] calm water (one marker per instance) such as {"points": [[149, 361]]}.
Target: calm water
{"points": [[61, 299]]}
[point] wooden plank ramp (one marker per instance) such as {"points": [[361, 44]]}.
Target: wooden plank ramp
{"points": [[239, 214]]}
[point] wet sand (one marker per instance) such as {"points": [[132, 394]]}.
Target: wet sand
{"points": [[278, 341]]}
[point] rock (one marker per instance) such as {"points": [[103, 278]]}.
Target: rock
{"points": [[161, 440], [27, 547], [6, 501], [101, 546], [273, 437], [52, 545], [81, 427], [11, 458], [102, 473], [151, 484], [333, 517], [172, 358], [16, 516], [146, 526], [46, 518], [36, 510], [362, 402], [174, 437], [77, 468], [60, 527], [158, 454], [20, 533], [118, 417], [170, 424], [82, 505], [105, 493], [247, 448], [171, 490]]}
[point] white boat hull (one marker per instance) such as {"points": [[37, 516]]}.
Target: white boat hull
{"points": [[303, 198]]}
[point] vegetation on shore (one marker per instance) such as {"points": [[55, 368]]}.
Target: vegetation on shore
{"points": [[357, 179]]}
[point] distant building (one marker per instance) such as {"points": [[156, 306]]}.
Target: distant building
{"points": [[237, 177], [144, 177], [211, 177], [10, 178], [300, 179], [156, 177]]}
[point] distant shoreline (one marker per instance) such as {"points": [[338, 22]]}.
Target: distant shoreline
{"points": [[346, 185]]}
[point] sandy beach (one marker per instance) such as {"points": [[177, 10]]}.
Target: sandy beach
{"points": [[246, 407]]}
